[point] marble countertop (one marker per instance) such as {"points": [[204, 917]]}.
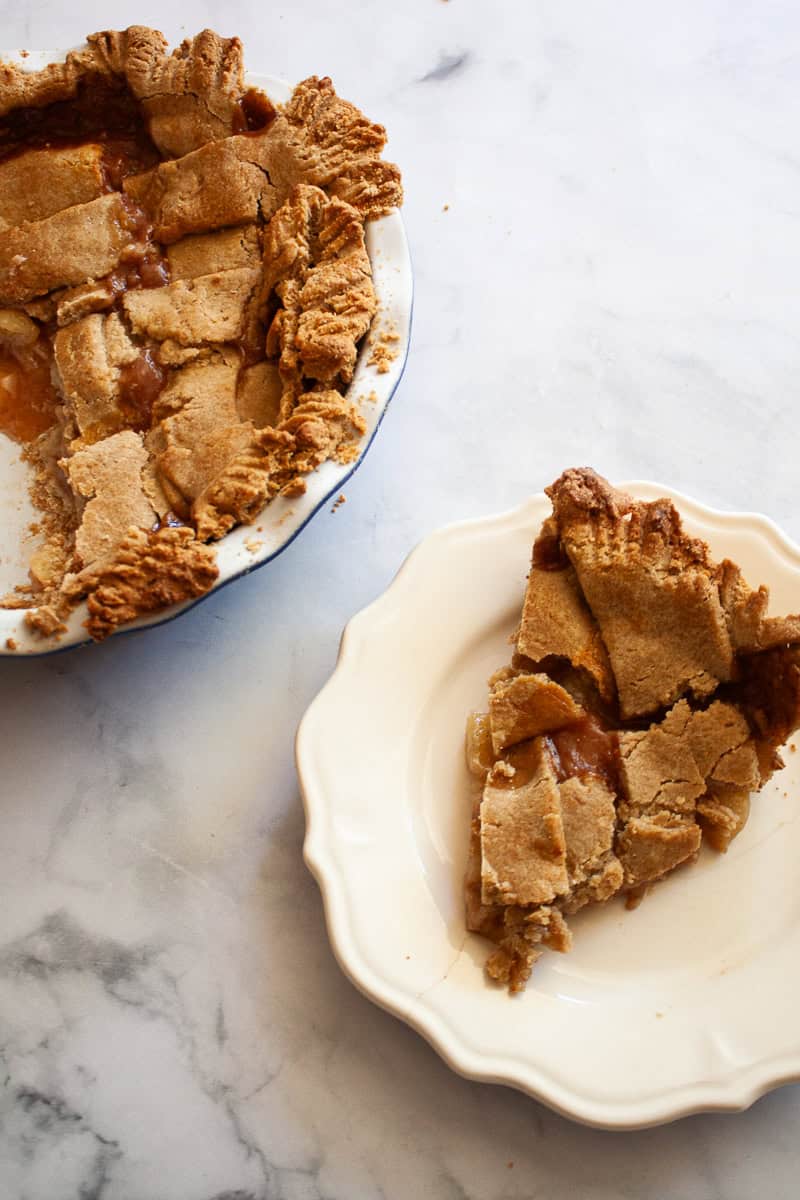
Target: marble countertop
{"points": [[603, 205]]}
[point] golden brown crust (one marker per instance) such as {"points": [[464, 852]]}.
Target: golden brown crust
{"points": [[89, 356], [324, 425], [523, 850], [209, 253], [69, 247], [38, 183], [191, 97], [221, 184], [209, 309], [556, 622], [108, 476], [241, 489], [650, 588], [524, 706], [150, 570], [319, 138], [316, 264]]}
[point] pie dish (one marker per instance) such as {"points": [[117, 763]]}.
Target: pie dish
{"points": [[238, 320], [681, 1005], [647, 698]]}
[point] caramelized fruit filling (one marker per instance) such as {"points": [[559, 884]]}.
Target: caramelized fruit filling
{"points": [[585, 748], [28, 399], [140, 383], [101, 111]]}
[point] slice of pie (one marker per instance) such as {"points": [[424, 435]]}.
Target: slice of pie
{"points": [[184, 288], [647, 699]]}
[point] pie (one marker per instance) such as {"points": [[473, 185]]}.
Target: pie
{"points": [[184, 287], [646, 699]]}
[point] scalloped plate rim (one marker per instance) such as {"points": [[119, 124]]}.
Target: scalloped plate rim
{"points": [[731, 1095]]}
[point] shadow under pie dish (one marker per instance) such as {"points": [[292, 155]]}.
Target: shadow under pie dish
{"points": [[237, 266]]}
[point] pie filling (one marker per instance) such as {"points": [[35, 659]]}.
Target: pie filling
{"points": [[184, 287], [647, 699]]}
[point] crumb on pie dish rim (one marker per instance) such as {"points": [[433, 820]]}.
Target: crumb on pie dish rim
{"points": [[248, 546], [662, 1013]]}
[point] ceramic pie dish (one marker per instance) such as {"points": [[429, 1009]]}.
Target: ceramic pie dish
{"points": [[682, 1005], [247, 546]]}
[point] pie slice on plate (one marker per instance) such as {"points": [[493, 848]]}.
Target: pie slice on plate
{"points": [[647, 699]]}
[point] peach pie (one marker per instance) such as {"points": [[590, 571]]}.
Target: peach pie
{"points": [[184, 286], [646, 700]]}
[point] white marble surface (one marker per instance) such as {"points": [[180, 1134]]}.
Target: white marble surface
{"points": [[613, 282]]}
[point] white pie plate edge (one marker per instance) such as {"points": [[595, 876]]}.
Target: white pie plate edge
{"points": [[247, 547], [379, 853]]}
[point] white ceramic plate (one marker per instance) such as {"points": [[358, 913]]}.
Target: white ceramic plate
{"points": [[686, 1004], [248, 546]]}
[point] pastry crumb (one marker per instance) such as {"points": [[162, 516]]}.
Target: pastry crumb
{"points": [[11, 643], [384, 350], [338, 502], [253, 545]]}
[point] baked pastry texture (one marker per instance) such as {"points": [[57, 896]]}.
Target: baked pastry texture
{"points": [[647, 698], [184, 287]]}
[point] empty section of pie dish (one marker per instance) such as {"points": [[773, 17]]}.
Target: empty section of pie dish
{"points": [[247, 546], [656, 1012]]}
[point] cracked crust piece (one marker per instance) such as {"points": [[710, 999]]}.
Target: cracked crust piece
{"points": [[269, 462], [108, 475], [258, 395], [316, 263], [324, 425], [242, 487], [585, 810], [89, 356], [210, 308], [750, 628], [69, 247], [320, 139], [589, 818], [209, 253], [151, 570], [38, 183], [195, 444], [671, 619], [194, 95], [72, 304], [221, 184], [556, 622], [727, 757], [523, 851], [661, 784], [691, 772], [525, 706], [650, 588]]}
